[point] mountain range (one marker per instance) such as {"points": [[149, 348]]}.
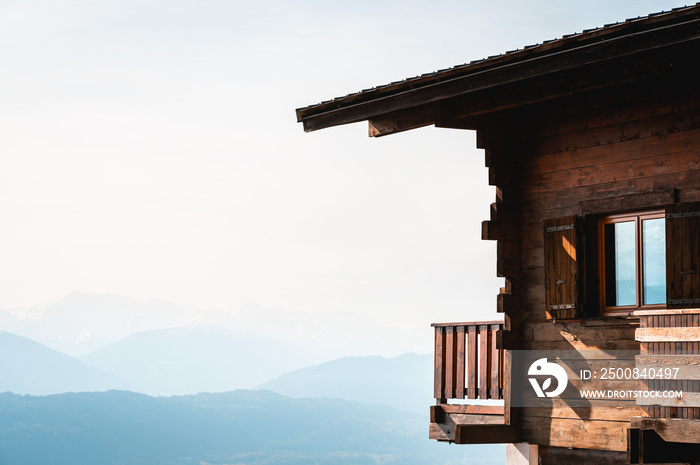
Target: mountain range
{"points": [[403, 382], [354, 410], [180, 361], [319, 423], [198, 359], [81, 323], [242, 427], [27, 367]]}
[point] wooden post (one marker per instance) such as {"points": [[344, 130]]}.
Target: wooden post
{"points": [[450, 362], [472, 363], [507, 367], [459, 385], [439, 360], [495, 364], [484, 361]]}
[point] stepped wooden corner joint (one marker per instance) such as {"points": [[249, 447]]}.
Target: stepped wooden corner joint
{"points": [[593, 144]]}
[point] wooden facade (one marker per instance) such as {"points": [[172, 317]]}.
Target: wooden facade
{"points": [[575, 130]]}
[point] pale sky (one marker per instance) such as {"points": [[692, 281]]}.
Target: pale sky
{"points": [[150, 149]]}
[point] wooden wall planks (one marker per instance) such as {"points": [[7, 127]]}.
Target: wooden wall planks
{"points": [[585, 153]]}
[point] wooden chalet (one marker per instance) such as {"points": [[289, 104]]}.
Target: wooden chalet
{"points": [[593, 144]]}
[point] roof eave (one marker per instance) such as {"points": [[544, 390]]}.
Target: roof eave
{"points": [[506, 72]]}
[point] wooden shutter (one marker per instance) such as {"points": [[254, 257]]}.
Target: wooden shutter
{"points": [[683, 255], [561, 267]]}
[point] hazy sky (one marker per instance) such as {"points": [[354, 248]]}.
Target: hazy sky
{"points": [[150, 148]]}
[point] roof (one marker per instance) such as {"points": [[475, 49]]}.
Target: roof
{"points": [[623, 39]]}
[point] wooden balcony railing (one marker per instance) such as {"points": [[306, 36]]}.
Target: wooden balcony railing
{"points": [[669, 428], [468, 364], [670, 339]]}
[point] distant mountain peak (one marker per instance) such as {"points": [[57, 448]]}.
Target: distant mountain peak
{"points": [[29, 367]]}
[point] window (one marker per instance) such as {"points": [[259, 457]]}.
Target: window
{"points": [[632, 262], [613, 265]]}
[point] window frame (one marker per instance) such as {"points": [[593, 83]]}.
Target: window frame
{"points": [[638, 217]]}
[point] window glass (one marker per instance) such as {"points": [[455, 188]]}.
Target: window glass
{"points": [[654, 261], [625, 264]]}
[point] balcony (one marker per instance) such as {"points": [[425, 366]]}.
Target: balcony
{"points": [[669, 428], [469, 366]]}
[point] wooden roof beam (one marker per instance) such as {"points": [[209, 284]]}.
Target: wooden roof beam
{"points": [[402, 120]]}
